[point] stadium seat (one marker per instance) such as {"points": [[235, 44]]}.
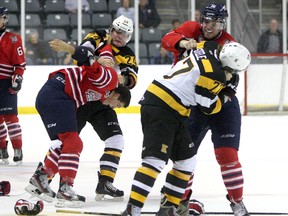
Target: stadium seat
{"points": [[101, 20], [57, 20], [32, 20], [98, 6], [86, 20], [14, 21], [85, 31], [54, 33], [113, 6], [11, 5], [33, 6], [54, 6], [150, 35], [144, 61], [153, 49], [143, 53]]}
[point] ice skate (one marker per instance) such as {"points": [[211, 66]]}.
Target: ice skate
{"points": [[166, 210], [66, 197], [39, 185], [18, 156], [105, 191], [238, 208], [132, 210], [4, 156]]}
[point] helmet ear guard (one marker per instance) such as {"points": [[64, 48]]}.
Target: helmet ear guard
{"points": [[235, 57]]}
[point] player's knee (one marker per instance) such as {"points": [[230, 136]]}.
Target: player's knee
{"points": [[188, 165], [226, 155], [156, 163], [71, 142], [115, 142]]}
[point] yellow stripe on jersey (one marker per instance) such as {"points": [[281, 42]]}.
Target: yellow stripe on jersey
{"points": [[168, 99], [212, 85], [149, 172], [207, 65], [113, 153], [180, 175], [200, 45], [138, 197]]}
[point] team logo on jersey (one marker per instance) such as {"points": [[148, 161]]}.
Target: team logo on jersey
{"points": [[92, 95], [13, 39]]}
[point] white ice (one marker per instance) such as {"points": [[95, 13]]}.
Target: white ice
{"points": [[263, 154]]}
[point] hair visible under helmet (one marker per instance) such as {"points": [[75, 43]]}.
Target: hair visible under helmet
{"points": [[4, 13], [235, 57], [124, 25], [215, 12]]}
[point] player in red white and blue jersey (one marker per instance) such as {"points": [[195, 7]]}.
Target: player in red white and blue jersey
{"points": [[12, 66]]}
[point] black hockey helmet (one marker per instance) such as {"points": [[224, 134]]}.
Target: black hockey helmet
{"points": [[216, 12]]}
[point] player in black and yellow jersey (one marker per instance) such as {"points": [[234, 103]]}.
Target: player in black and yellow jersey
{"points": [[200, 80], [111, 50]]}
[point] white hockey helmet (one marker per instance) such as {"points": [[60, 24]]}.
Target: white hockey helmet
{"points": [[124, 25], [235, 56]]}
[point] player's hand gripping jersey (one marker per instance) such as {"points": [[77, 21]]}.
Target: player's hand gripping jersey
{"points": [[193, 81]]}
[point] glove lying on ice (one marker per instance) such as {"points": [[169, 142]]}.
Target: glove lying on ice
{"points": [[196, 207], [24, 207], [16, 84], [4, 188]]}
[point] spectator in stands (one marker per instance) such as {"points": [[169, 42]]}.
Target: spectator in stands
{"points": [[71, 6], [271, 40], [175, 23], [126, 10], [197, 15], [148, 16], [38, 51], [164, 57]]}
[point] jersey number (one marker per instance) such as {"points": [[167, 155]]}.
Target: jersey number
{"points": [[20, 51], [183, 70]]}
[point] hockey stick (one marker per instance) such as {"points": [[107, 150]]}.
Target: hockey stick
{"points": [[148, 213]]}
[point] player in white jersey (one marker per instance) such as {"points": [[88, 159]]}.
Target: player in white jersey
{"points": [[199, 80]]}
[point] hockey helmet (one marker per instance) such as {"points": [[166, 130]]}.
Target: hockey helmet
{"points": [[235, 57], [124, 25], [216, 12]]}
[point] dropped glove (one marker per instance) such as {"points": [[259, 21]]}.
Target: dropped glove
{"points": [[4, 188], [196, 207], [16, 84], [24, 207]]}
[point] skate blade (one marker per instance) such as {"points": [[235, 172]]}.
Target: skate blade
{"points": [[36, 192], [19, 163], [107, 198], [62, 203], [4, 161]]}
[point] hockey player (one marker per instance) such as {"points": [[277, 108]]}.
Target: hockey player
{"points": [[12, 66], [113, 47], [199, 80], [57, 102], [225, 137]]}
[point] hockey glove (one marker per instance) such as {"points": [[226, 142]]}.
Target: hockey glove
{"points": [[4, 188], [196, 207], [84, 56], [16, 84], [24, 207], [130, 79], [231, 88]]}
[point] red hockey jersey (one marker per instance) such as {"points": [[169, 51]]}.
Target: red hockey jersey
{"points": [[12, 58], [88, 83], [189, 30]]}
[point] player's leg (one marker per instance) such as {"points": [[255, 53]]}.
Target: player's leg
{"points": [[4, 156], [226, 128], [105, 123]]}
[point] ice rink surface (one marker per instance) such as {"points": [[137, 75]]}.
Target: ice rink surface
{"points": [[263, 154]]}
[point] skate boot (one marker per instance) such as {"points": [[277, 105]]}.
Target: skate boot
{"points": [[66, 197], [39, 185], [132, 210], [105, 191], [166, 209], [238, 208], [18, 156], [4, 156]]}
